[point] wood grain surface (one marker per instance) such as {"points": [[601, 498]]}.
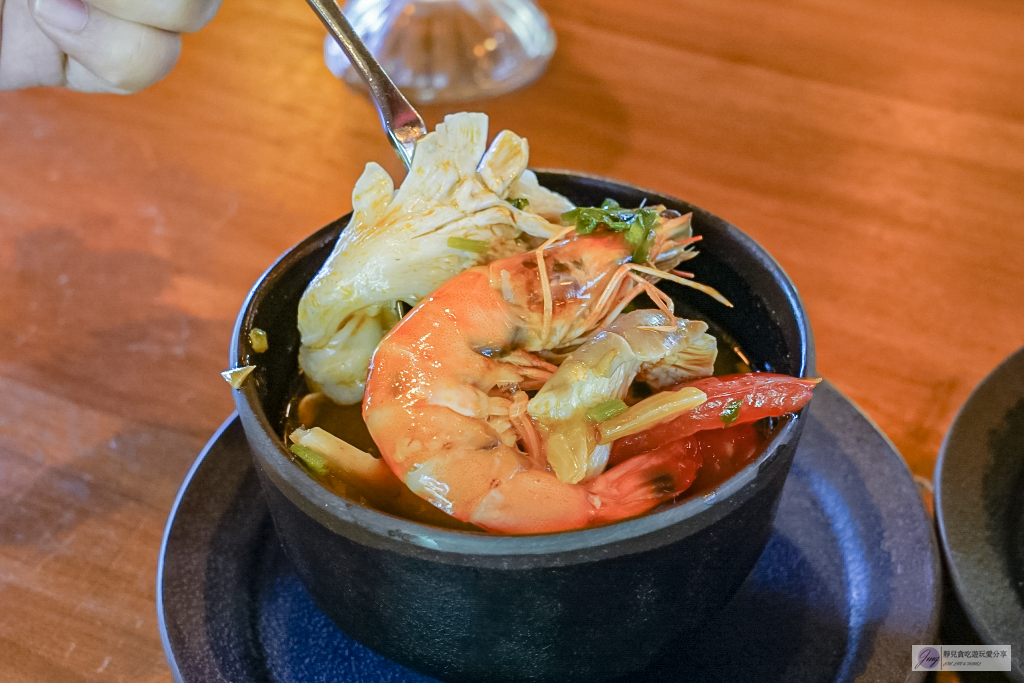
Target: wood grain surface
{"points": [[875, 148]]}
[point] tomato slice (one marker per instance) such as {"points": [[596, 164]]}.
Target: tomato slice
{"points": [[725, 452], [732, 400]]}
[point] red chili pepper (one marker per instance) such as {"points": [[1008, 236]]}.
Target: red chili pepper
{"points": [[732, 400], [725, 452]]}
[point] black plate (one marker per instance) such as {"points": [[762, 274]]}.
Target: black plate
{"points": [[848, 583], [979, 501]]}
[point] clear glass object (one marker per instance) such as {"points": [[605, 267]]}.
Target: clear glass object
{"points": [[449, 50]]}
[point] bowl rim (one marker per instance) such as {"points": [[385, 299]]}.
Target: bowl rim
{"points": [[341, 514]]}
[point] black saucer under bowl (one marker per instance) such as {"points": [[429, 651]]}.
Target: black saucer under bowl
{"points": [[979, 504]]}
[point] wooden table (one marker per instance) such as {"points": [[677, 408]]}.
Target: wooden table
{"points": [[875, 148]]}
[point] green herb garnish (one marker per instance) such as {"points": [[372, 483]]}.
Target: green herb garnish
{"points": [[637, 225], [607, 409], [258, 340], [731, 411], [463, 244], [315, 462], [519, 202]]}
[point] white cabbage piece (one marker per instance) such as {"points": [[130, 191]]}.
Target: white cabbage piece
{"points": [[395, 249]]}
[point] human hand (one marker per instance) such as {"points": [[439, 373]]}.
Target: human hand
{"points": [[112, 46]]}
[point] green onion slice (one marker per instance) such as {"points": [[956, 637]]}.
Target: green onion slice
{"points": [[315, 462], [464, 244], [607, 409], [731, 411], [519, 202]]}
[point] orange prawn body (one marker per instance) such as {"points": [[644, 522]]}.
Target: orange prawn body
{"points": [[440, 398]]}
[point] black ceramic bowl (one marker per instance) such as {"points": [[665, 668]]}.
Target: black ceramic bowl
{"points": [[584, 605]]}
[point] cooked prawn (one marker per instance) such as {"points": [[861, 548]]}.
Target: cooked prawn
{"points": [[445, 397]]}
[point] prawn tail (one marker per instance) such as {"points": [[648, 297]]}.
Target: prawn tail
{"points": [[635, 486]]}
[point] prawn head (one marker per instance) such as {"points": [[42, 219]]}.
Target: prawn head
{"points": [[601, 370]]}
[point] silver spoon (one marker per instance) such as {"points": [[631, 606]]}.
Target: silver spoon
{"points": [[401, 122]]}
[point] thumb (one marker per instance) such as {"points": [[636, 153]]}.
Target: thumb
{"points": [[105, 53]]}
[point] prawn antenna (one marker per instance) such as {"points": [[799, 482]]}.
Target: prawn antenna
{"points": [[671, 277], [545, 284], [605, 311]]}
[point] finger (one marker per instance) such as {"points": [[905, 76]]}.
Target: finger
{"points": [[77, 77], [180, 16], [28, 58], [125, 55]]}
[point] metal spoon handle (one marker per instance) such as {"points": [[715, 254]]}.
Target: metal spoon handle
{"points": [[401, 122]]}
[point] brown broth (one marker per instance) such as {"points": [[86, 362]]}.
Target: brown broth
{"points": [[346, 422]]}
